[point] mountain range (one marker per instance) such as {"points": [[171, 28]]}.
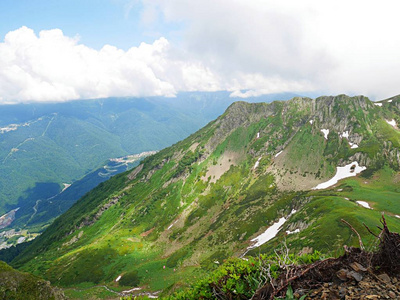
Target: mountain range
{"points": [[260, 175], [47, 147]]}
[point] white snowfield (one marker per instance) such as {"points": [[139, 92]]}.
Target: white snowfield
{"points": [[364, 204], [172, 224], [258, 135], [393, 122], [341, 173], [311, 121], [390, 101], [118, 278], [353, 146], [378, 104], [257, 163], [345, 134], [295, 231], [270, 233], [325, 132], [276, 155]]}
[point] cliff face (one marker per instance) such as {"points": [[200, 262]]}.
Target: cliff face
{"points": [[353, 128]]}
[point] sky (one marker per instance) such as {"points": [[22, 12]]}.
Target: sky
{"points": [[81, 49]]}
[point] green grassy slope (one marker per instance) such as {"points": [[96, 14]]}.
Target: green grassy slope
{"points": [[43, 146], [17, 285], [203, 199]]}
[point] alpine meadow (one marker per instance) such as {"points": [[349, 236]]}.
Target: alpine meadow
{"points": [[218, 193], [186, 150]]}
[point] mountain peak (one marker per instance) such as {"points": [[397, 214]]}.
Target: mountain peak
{"points": [[218, 191]]}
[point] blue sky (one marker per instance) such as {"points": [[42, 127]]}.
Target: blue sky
{"points": [[97, 22], [69, 49]]}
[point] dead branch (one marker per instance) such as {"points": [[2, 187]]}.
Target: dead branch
{"points": [[369, 230], [385, 259], [355, 231], [288, 281]]}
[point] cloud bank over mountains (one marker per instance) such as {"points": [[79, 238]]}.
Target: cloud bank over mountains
{"points": [[247, 47], [54, 67], [335, 47]]}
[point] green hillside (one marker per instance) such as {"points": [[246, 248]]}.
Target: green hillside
{"points": [[17, 285], [185, 209], [44, 146]]}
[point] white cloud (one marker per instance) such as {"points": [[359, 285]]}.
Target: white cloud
{"points": [[340, 46], [248, 47], [54, 67]]}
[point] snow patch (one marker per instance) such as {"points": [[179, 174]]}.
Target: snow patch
{"points": [[271, 232], [295, 231], [378, 104], [325, 132], [170, 226], [131, 290], [258, 135], [390, 101], [364, 204], [349, 170], [393, 122], [311, 121], [276, 155], [397, 216], [118, 278], [345, 134], [257, 163], [353, 146]]}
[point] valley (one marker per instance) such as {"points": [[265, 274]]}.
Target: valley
{"points": [[260, 175], [46, 210], [43, 147], [211, 150]]}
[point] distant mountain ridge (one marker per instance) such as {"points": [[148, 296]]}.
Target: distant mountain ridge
{"points": [[244, 180]]}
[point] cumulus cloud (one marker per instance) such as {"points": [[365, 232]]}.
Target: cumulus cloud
{"points": [[247, 47], [54, 67]]}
